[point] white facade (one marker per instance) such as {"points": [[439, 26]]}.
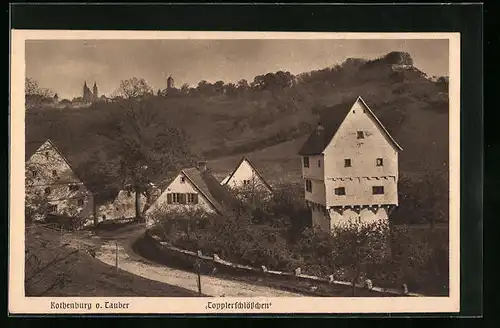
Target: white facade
{"points": [[177, 197], [122, 207], [52, 187], [246, 178], [355, 177]]}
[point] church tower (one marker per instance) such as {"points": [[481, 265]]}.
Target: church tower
{"points": [[170, 82], [95, 91]]}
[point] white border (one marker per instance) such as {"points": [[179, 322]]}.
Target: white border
{"points": [[18, 304]]}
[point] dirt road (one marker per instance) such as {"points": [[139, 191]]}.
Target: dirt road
{"points": [[211, 286]]}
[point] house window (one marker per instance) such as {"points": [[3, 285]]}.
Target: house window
{"points": [[361, 135], [54, 173], [129, 194], [34, 173], [74, 188], [47, 191], [80, 202], [192, 198], [176, 198], [183, 179], [319, 163], [306, 161], [246, 182], [378, 190], [52, 208], [347, 162], [309, 186], [340, 191], [46, 155], [380, 162]]}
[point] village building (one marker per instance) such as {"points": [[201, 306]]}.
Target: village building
{"points": [[90, 96], [193, 189], [122, 207], [53, 187], [350, 168], [246, 179]]}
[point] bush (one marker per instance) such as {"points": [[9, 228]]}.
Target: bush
{"points": [[271, 233]]}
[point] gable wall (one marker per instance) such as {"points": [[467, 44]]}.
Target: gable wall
{"points": [[362, 152], [246, 172], [44, 161], [177, 186]]}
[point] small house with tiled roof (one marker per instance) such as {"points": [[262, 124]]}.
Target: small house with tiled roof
{"points": [[52, 186], [350, 167], [193, 188], [245, 178]]}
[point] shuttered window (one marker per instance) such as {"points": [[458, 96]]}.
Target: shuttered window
{"points": [[192, 198]]}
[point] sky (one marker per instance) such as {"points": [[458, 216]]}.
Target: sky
{"points": [[64, 65]]}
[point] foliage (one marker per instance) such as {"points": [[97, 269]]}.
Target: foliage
{"points": [[35, 96], [147, 144], [261, 235]]}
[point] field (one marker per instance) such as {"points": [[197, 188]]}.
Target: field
{"points": [[79, 274]]}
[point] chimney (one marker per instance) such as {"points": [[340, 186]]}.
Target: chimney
{"points": [[319, 129], [202, 166]]}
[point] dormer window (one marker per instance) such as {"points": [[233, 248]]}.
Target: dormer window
{"points": [[380, 162], [306, 161], [361, 134]]}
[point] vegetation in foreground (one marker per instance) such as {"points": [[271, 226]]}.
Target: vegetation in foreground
{"points": [[55, 270], [276, 233]]}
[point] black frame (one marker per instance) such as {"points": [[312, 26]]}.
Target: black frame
{"points": [[466, 19]]}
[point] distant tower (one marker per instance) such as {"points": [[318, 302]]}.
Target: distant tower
{"points": [[87, 94], [95, 91], [170, 82]]}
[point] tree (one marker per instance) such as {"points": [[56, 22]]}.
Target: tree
{"points": [[230, 89], [219, 87], [148, 144], [35, 96], [185, 89], [360, 245], [133, 88]]}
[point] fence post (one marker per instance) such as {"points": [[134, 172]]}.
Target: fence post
{"points": [[198, 276], [116, 257]]}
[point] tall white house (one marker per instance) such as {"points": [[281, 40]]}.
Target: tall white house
{"points": [[350, 168]]}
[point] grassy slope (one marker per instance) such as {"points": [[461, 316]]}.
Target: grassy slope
{"points": [[271, 128], [87, 276]]}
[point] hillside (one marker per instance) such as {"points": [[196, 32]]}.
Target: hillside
{"points": [[269, 118]]}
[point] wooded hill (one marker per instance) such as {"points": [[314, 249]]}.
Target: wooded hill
{"points": [[222, 119]]}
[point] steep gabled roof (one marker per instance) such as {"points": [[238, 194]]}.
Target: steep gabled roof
{"points": [[243, 159], [30, 152], [100, 197], [331, 122], [218, 196]]}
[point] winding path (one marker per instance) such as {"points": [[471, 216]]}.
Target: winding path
{"points": [[211, 286]]}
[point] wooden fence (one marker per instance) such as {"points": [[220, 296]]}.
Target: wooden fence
{"points": [[189, 258]]}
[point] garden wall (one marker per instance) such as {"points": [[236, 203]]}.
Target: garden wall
{"points": [[155, 249]]}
